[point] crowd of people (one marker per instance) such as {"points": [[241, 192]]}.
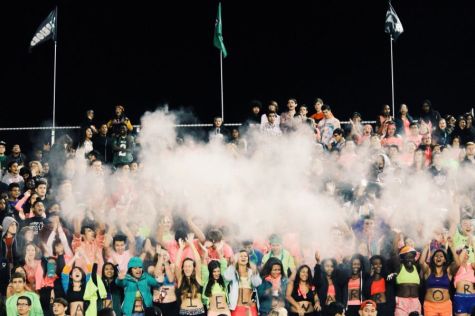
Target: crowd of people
{"points": [[71, 242]]}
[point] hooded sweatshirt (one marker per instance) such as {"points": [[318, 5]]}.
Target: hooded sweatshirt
{"points": [[131, 285], [8, 254]]}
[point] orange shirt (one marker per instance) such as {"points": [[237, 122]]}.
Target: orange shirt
{"points": [[317, 116], [378, 287]]}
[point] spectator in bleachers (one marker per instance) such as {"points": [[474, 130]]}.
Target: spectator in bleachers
{"points": [[318, 115], [17, 156], [327, 125], [287, 123], [122, 147], [440, 135], [255, 117], [3, 157], [218, 132], [102, 143], [429, 116], [270, 127], [114, 124], [383, 119], [13, 174], [271, 107], [89, 122], [403, 121], [462, 131]]}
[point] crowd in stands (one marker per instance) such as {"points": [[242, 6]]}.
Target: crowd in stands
{"points": [[54, 261]]}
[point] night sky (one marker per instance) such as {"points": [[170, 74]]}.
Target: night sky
{"points": [[143, 55]]}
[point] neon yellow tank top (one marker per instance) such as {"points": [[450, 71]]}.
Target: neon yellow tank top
{"points": [[404, 277], [217, 289]]}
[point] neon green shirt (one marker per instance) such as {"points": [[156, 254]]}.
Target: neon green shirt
{"points": [[36, 309]]}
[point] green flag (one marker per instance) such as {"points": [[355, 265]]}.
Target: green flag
{"points": [[218, 33]]}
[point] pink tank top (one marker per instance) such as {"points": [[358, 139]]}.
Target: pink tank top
{"points": [[465, 273]]}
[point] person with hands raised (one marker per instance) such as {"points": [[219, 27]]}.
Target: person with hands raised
{"points": [[137, 286], [408, 282], [73, 279], [273, 288], [464, 279], [243, 281], [89, 238], [164, 296], [328, 277], [189, 280], [438, 277], [57, 243], [215, 295], [95, 291]]}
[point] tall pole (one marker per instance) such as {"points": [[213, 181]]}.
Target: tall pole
{"points": [[54, 96], [53, 130], [392, 75], [222, 93]]}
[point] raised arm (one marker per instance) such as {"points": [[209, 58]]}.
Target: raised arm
{"points": [[196, 254], [178, 261], [20, 203], [168, 267], [456, 263], [130, 239], [196, 230], [50, 241], [423, 261], [158, 267], [454, 217], [159, 236], [64, 240]]}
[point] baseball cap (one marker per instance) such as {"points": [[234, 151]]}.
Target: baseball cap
{"points": [[368, 302]]}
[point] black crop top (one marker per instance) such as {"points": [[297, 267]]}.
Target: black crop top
{"points": [[309, 297]]}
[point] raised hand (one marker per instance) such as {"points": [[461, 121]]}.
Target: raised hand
{"points": [[317, 256]]}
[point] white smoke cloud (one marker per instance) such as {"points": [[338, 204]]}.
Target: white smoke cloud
{"points": [[275, 187]]}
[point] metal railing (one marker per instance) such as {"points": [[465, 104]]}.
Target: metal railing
{"points": [[43, 128]]}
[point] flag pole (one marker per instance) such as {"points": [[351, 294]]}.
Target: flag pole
{"points": [[53, 130], [222, 93], [54, 96], [392, 74]]}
